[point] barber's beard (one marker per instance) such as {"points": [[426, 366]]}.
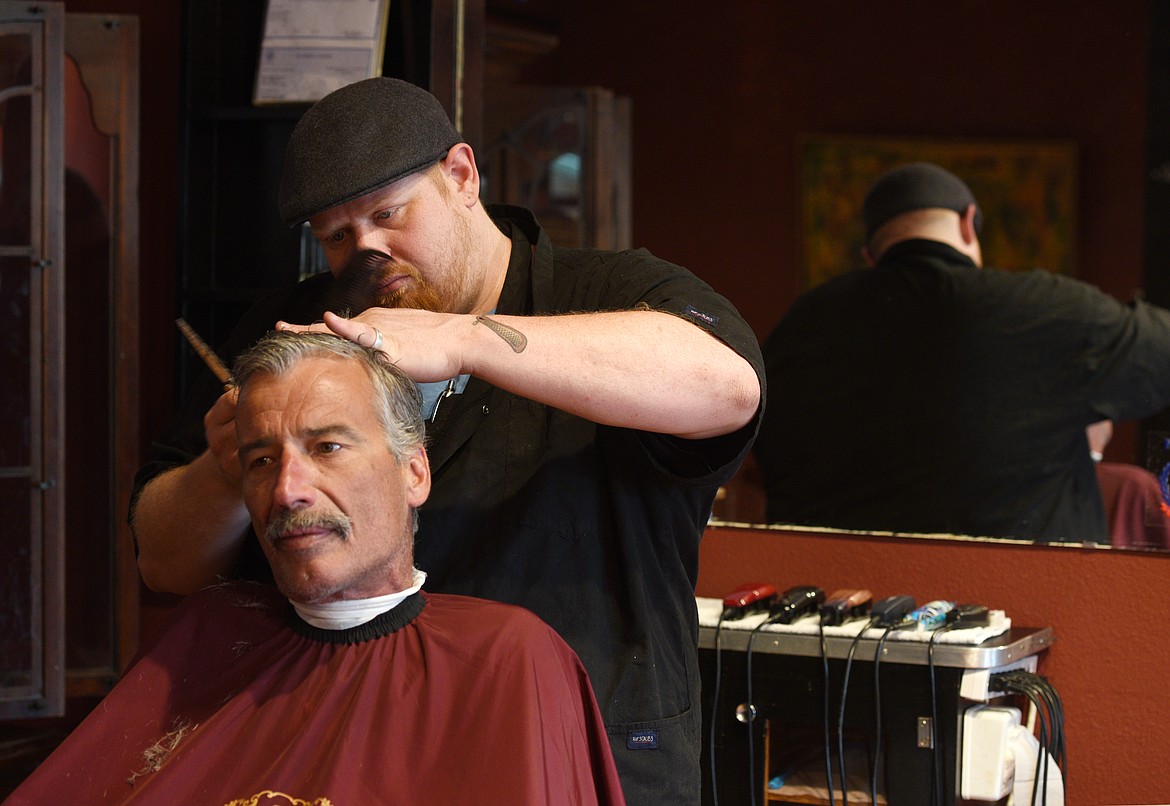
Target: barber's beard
{"points": [[451, 287], [415, 293]]}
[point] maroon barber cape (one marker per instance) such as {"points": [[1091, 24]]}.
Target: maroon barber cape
{"points": [[444, 700]]}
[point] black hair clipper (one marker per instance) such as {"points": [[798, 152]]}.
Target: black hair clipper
{"points": [[892, 610], [795, 603]]}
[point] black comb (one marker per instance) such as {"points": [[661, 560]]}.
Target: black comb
{"points": [[352, 291]]}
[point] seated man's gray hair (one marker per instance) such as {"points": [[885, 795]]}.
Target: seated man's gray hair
{"points": [[396, 397]]}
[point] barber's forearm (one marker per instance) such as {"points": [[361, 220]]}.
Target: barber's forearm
{"points": [[190, 525], [636, 369]]}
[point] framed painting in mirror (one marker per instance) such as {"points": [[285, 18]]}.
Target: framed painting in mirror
{"points": [[1026, 189]]}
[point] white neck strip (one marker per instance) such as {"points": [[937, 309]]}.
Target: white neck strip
{"points": [[348, 613]]}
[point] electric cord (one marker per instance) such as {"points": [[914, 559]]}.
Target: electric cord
{"points": [[841, 709], [936, 750], [715, 710], [875, 769], [891, 613], [878, 728], [1049, 712], [959, 617], [752, 707], [1055, 710], [828, 754], [1041, 763], [1041, 770]]}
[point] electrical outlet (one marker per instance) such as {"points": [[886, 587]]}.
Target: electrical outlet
{"points": [[988, 765], [974, 685]]}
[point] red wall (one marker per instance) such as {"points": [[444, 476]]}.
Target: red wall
{"points": [[1109, 661]]}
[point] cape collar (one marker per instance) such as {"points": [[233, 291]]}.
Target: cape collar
{"points": [[380, 626]]}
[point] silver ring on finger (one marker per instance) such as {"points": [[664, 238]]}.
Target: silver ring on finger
{"points": [[377, 345]]}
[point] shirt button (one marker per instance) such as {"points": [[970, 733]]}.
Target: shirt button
{"points": [[485, 410]]}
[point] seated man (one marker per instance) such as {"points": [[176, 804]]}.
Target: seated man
{"points": [[364, 689]]}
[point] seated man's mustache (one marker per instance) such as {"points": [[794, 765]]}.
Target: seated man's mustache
{"points": [[288, 522]]}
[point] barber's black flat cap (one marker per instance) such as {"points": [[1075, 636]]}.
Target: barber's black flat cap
{"points": [[359, 139], [916, 186]]}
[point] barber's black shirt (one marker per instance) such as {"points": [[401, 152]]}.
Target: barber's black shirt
{"points": [[928, 395]]}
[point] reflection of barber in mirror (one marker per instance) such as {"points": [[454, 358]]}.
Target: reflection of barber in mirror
{"points": [[928, 394], [582, 408], [1134, 510], [347, 683]]}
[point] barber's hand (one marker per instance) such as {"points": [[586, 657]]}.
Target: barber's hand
{"points": [[423, 344], [219, 424]]}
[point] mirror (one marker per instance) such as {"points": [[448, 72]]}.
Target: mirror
{"points": [[1133, 495], [721, 101]]}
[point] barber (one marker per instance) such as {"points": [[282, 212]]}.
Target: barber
{"points": [[583, 405]]}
